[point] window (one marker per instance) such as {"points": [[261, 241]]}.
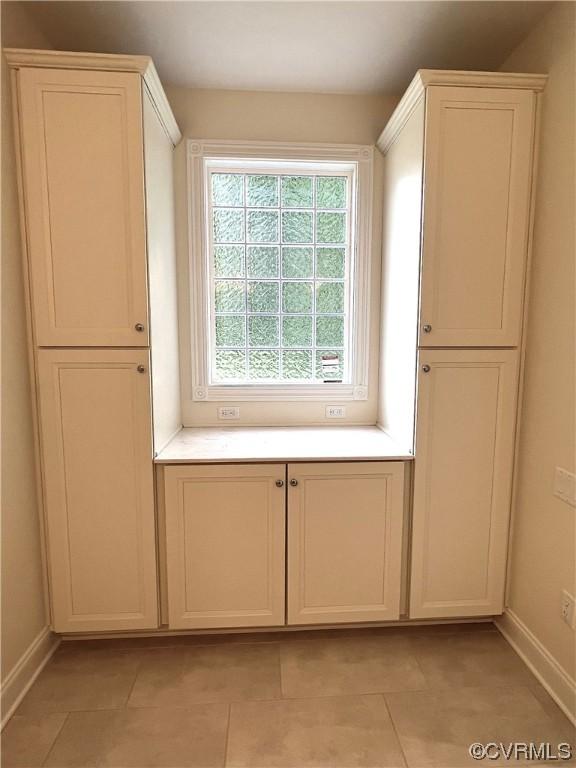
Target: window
{"points": [[277, 282]]}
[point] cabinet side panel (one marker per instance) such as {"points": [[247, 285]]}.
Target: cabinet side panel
{"points": [[158, 156], [99, 489], [84, 197], [400, 278]]}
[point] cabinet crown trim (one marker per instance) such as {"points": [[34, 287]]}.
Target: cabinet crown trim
{"points": [[426, 78], [18, 58]]}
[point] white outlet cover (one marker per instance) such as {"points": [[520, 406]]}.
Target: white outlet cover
{"points": [[335, 412], [565, 486], [229, 412]]}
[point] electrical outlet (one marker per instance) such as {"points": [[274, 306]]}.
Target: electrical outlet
{"points": [[229, 412], [565, 486], [568, 609], [335, 412]]}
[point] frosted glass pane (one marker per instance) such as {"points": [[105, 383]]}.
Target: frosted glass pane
{"points": [[330, 262], [329, 331], [263, 297], [262, 226], [297, 364], [230, 364], [297, 331], [296, 227], [331, 192], [262, 191], [297, 192], [263, 331], [262, 261], [229, 261], [297, 262], [330, 227], [230, 331], [297, 297], [227, 189], [229, 296], [228, 225], [263, 364], [329, 297], [330, 365]]}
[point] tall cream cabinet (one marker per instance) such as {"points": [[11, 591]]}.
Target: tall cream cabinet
{"points": [[228, 528], [95, 136], [459, 173]]}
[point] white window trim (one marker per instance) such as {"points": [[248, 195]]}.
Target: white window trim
{"points": [[359, 155]]}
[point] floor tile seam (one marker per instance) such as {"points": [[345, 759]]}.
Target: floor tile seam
{"points": [[395, 729], [56, 737]]}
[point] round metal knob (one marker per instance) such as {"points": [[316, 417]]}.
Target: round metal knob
{"points": [[279, 483], [426, 328], [141, 369], [139, 327], [426, 368], [293, 481]]}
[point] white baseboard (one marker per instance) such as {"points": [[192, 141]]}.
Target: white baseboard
{"points": [[19, 680], [553, 677]]}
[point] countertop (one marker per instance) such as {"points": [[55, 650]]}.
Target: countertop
{"points": [[282, 444]]}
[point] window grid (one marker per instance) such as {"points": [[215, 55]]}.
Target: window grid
{"points": [[280, 280]]}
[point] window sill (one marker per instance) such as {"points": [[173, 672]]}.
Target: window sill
{"points": [[280, 393], [282, 444]]}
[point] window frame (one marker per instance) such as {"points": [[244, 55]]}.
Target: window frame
{"points": [[233, 154]]}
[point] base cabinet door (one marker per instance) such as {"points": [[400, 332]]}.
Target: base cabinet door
{"points": [[98, 489], [344, 541], [462, 481], [225, 537]]}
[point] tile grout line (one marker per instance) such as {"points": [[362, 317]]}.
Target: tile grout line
{"points": [[394, 728], [225, 763], [50, 750]]}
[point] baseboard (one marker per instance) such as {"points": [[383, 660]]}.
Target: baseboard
{"points": [[553, 677], [27, 668]]}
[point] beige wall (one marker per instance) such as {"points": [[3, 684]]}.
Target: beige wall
{"points": [[23, 609], [542, 558], [297, 117]]}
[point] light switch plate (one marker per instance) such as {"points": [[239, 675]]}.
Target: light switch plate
{"points": [[565, 486]]}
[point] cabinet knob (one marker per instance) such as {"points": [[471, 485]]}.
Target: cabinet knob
{"points": [[279, 483], [141, 369], [139, 327], [293, 482], [426, 328], [426, 368]]}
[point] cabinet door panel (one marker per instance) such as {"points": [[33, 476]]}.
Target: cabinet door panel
{"points": [[476, 213], [462, 482], [225, 545], [98, 485], [344, 542], [84, 196]]}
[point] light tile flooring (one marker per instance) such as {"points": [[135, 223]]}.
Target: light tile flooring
{"points": [[375, 697]]}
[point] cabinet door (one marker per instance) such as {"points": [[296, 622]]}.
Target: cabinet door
{"points": [[98, 485], [82, 148], [462, 483], [225, 545], [476, 212], [344, 541]]}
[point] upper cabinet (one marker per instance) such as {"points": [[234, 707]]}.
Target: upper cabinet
{"points": [[83, 171], [476, 137]]}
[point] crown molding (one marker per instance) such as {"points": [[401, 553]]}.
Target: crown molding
{"points": [[18, 58], [426, 78]]}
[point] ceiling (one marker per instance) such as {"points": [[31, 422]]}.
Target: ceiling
{"points": [[294, 46]]}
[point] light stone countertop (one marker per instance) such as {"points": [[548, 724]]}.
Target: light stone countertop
{"points": [[283, 444]]}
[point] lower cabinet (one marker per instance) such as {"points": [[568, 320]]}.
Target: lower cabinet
{"points": [[344, 541], [462, 481], [226, 541], [225, 538], [98, 488]]}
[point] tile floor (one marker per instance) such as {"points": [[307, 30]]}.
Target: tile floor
{"points": [[395, 697]]}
